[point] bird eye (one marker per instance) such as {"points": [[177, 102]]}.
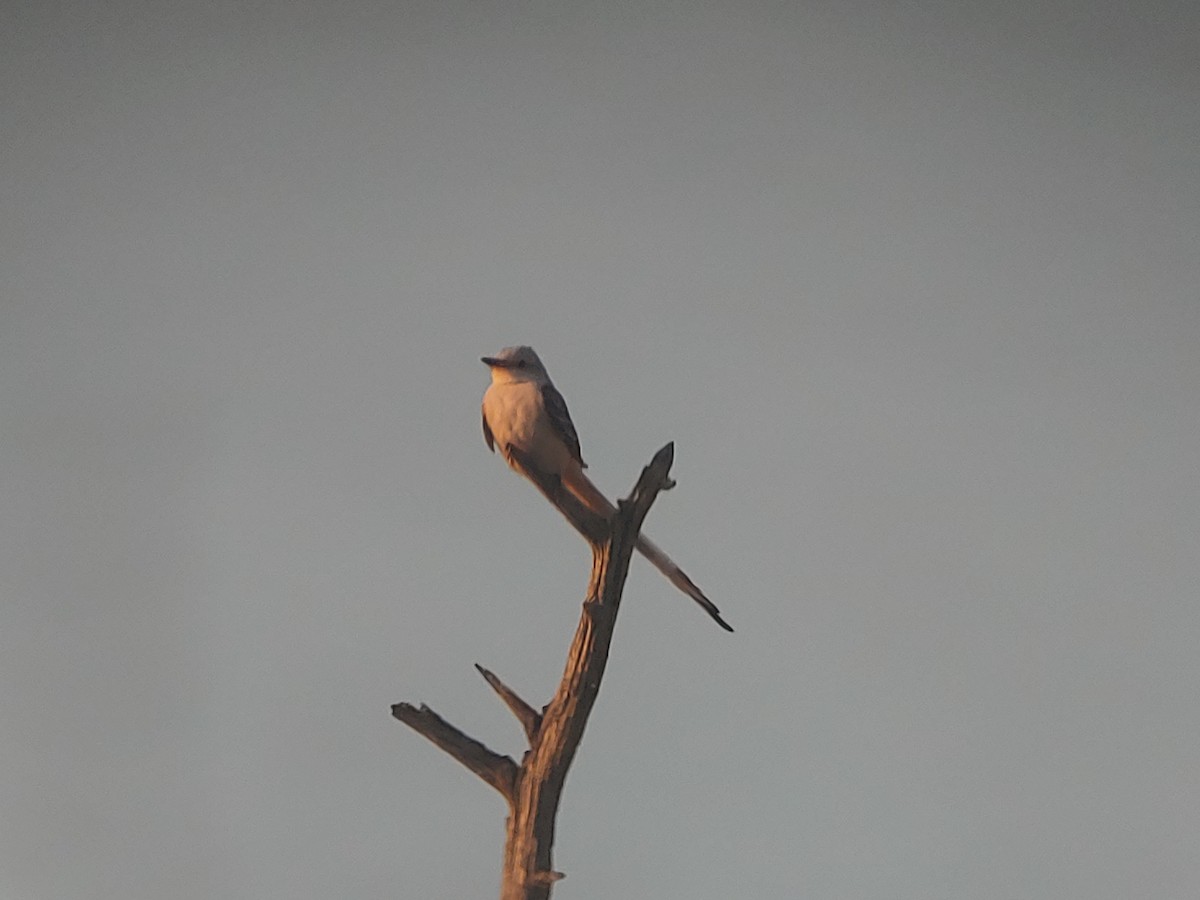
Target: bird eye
{"points": [[521, 364]]}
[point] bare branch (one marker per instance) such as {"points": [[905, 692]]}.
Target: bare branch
{"points": [[534, 788], [544, 770], [498, 771], [530, 718]]}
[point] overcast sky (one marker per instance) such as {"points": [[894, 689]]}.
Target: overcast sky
{"points": [[913, 286]]}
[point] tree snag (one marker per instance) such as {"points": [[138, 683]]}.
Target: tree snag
{"points": [[533, 788]]}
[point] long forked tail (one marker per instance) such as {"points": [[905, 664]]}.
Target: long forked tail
{"points": [[679, 578], [581, 486]]}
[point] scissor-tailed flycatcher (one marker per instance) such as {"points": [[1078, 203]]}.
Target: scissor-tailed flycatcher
{"points": [[523, 409]]}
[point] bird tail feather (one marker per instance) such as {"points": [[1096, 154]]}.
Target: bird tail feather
{"points": [[591, 497], [679, 578]]}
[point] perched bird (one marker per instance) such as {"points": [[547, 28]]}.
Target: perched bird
{"points": [[523, 409]]}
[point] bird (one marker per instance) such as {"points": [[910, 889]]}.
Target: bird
{"points": [[523, 410]]}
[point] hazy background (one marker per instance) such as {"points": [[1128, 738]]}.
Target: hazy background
{"points": [[912, 286]]}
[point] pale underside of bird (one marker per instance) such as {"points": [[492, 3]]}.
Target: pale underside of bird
{"points": [[523, 410]]}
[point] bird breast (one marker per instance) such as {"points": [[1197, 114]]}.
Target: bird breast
{"points": [[513, 412]]}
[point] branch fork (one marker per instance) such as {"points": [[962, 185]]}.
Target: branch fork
{"points": [[533, 788]]}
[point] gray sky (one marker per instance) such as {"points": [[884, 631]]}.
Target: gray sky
{"points": [[912, 286]]}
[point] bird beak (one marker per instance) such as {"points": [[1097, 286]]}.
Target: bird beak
{"points": [[494, 363]]}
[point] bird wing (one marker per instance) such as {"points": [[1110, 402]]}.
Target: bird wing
{"points": [[560, 420], [487, 432]]}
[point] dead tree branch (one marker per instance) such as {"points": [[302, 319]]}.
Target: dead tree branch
{"points": [[533, 788], [530, 718], [498, 771]]}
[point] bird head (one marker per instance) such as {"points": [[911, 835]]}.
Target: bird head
{"points": [[516, 364]]}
